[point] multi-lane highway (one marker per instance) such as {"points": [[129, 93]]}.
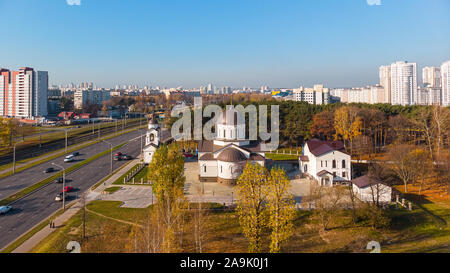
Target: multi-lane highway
{"points": [[32, 209]]}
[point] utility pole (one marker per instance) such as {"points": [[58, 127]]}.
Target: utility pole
{"points": [[14, 157], [84, 215], [64, 184], [111, 154], [66, 140], [40, 137]]}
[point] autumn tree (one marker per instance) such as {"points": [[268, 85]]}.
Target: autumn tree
{"points": [[327, 202], [347, 124], [441, 123], [323, 125], [404, 163], [280, 205], [252, 192], [166, 172]]}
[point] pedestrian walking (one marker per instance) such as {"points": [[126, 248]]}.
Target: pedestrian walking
{"points": [[50, 224]]}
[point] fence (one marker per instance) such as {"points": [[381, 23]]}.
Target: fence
{"points": [[130, 177]]}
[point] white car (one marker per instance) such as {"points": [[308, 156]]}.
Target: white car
{"points": [[69, 158], [5, 209]]}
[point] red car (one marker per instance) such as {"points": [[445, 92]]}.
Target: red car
{"points": [[68, 189], [188, 155], [118, 154]]}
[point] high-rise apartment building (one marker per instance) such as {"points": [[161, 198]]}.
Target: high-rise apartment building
{"points": [[97, 97], [403, 79], [431, 76], [385, 81], [23, 93], [317, 95], [445, 83]]}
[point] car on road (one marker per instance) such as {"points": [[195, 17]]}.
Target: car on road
{"points": [[76, 154], [69, 158], [5, 209], [126, 157], [118, 154], [49, 170], [59, 180], [59, 197], [68, 189]]}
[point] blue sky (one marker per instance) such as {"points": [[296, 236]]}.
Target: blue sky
{"points": [[280, 43]]}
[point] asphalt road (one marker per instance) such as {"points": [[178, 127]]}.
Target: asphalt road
{"points": [[32, 209], [19, 181]]}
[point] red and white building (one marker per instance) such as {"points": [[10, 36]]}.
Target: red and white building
{"points": [[326, 161], [23, 93]]}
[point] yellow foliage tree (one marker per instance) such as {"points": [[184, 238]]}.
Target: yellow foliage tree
{"points": [[252, 192], [347, 124], [280, 204]]}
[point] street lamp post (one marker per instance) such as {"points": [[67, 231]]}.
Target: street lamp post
{"points": [[40, 137], [14, 157], [110, 144], [66, 139], [64, 184]]}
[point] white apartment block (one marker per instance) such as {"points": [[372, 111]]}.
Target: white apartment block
{"points": [[385, 81], [369, 94], [431, 76], [82, 97], [429, 95], [445, 83], [403, 83], [23, 93], [317, 95]]}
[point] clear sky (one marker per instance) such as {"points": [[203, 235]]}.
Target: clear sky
{"points": [[279, 43]]}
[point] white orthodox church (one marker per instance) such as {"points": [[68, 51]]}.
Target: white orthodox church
{"points": [[223, 159], [154, 137]]}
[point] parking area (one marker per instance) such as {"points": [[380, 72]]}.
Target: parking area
{"points": [[131, 196]]}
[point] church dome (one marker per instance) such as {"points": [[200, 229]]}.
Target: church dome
{"points": [[231, 155]]}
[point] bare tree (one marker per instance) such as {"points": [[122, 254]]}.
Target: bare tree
{"points": [[403, 163]]}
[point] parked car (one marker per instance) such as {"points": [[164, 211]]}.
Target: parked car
{"points": [[59, 197], [49, 170], [68, 189], [76, 154], [188, 155], [59, 180], [69, 158], [5, 209]]}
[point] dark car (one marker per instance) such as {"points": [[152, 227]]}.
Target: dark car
{"points": [[126, 157], [49, 170], [117, 158], [76, 154], [59, 180]]}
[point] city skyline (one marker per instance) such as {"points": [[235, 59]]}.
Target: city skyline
{"points": [[228, 44]]}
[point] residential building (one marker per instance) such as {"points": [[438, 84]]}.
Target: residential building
{"points": [[82, 97], [326, 161], [23, 93], [317, 95], [403, 79], [385, 81], [431, 76], [445, 83]]}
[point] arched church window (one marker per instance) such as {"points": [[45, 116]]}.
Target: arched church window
{"points": [[152, 137]]}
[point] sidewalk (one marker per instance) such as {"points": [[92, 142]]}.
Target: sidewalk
{"points": [[29, 244]]}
